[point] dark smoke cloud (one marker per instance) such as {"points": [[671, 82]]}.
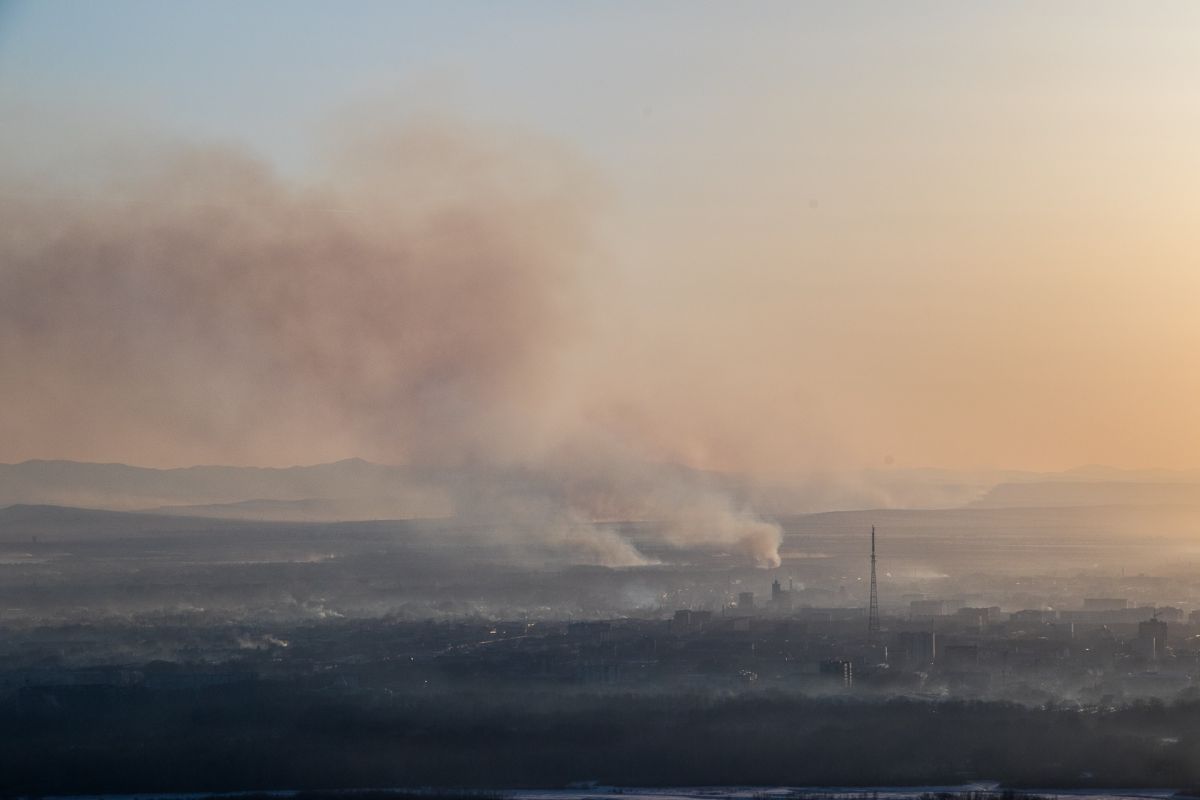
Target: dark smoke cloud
{"points": [[416, 305]]}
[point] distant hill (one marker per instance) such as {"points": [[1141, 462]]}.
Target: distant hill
{"points": [[356, 487], [912, 542], [1064, 494], [312, 509], [22, 522], [1018, 541], [1098, 473], [360, 490], [1118, 520]]}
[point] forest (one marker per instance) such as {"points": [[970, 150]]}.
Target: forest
{"points": [[259, 735]]}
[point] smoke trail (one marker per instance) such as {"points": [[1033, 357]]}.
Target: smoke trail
{"points": [[415, 305]]}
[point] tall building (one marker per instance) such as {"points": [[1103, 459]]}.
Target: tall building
{"points": [[918, 649], [919, 609], [840, 670], [781, 599]]}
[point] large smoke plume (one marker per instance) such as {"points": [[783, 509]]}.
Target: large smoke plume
{"points": [[418, 303]]}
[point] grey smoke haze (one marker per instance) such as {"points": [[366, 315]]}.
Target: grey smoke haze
{"points": [[419, 304]]}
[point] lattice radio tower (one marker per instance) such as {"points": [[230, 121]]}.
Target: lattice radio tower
{"points": [[873, 611]]}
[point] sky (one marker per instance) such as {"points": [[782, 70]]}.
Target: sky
{"points": [[763, 237]]}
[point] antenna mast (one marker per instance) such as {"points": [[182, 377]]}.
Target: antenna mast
{"points": [[873, 611]]}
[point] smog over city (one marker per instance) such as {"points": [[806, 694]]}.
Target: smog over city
{"points": [[547, 401]]}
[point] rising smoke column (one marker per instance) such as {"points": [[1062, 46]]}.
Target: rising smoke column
{"points": [[415, 304]]}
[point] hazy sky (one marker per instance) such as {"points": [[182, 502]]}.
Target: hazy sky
{"points": [[800, 235]]}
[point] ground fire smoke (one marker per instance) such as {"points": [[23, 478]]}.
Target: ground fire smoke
{"points": [[415, 305]]}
